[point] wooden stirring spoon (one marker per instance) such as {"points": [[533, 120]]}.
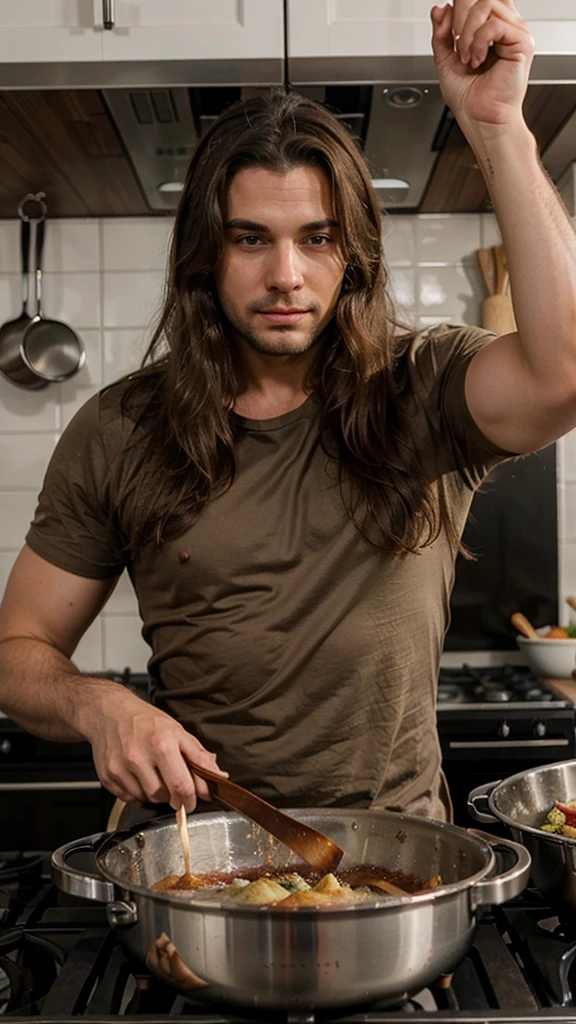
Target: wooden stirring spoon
{"points": [[182, 820], [524, 626], [378, 883], [316, 849]]}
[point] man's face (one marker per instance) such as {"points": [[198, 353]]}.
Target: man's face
{"points": [[281, 268]]}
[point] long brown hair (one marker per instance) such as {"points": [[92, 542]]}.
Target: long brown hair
{"points": [[182, 444]]}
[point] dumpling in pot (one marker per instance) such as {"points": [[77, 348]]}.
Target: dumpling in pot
{"points": [[262, 891]]}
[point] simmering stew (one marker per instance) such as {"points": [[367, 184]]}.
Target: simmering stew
{"points": [[292, 889]]}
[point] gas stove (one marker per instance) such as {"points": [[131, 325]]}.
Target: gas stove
{"points": [[60, 961], [515, 686]]}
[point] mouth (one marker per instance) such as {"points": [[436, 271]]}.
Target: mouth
{"points": [[283, 316]]}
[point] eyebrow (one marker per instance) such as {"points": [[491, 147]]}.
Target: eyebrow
{"points": [[252, 225]]}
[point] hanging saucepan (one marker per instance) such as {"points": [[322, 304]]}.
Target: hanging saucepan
{"points": [[44, 351], [11, 362]]}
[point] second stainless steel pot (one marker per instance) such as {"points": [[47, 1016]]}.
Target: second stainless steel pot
{"points": [[383, 949], [522, 802]]}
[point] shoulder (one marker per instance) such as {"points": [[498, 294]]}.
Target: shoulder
{"points": [[112, 414], [427, 354]]}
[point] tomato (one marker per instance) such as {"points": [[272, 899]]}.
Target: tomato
{"points": [[569, 812]]}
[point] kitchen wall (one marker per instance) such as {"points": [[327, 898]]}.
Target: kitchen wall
{"points": [[105, 277]]}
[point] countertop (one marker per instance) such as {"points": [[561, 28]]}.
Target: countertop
{"points": [[564, 688]]}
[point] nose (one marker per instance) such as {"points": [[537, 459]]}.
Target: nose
{"points": [[284, 270]]}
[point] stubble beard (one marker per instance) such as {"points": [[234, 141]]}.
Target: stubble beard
{"points": [[281, 345], [280, 340]]}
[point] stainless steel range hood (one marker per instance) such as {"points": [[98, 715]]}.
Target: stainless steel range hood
{"points": [[402, 127]]}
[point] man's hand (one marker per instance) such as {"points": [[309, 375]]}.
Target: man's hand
{"points": [[141, 753], [483, 55]]}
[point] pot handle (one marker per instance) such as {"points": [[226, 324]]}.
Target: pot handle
{"points": [[74, 881], [478, 802], [510, 883]]}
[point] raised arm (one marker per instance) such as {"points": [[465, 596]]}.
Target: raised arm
{"points": [[521, 389], [140, 752]]}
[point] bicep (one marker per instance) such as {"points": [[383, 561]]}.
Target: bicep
{"points": [[516, 409], [48, 603]]}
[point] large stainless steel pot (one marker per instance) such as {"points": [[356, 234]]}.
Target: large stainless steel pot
{"points": [[522, 802], [385, 948]]}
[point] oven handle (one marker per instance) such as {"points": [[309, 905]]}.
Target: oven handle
{"points": [[76, 882], [20, 787], [504, 744]]}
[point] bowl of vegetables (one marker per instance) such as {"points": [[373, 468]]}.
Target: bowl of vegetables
{"points": [[552, 653]]}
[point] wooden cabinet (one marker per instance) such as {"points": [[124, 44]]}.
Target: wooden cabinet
{"points": [[35, 31], [194, 30]]}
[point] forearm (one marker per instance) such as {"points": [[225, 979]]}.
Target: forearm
{"points": [[540, 244], [42, 690]]}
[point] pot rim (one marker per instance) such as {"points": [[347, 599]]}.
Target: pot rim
{"points": [[547, 837], [363, 907]]}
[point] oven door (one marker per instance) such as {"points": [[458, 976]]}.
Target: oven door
{"points": [[49, 792], [488, 744]]}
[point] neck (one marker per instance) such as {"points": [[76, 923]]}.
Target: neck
{"points": [[270, 386]]}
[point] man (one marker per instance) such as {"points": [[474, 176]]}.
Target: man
{"points": [[288, 480]]}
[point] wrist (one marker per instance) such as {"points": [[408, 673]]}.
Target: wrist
{"points": [[97, 698], [500, 141]]}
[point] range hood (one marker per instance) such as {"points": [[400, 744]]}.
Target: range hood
{"points": [[416, 154], [113, 147], [400, 127]]}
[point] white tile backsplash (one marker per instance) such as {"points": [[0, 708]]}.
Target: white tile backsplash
{"points": [[403, 285], [569, 455], [7, 559], [9, 246], [123, 643], [71, 246], [453, 291], [27, 471], [123, 599], [22, 410], [130, 299], [73, 399], [16, 511], [129, 244], [73, 298], [106, 278], [399, 241], [123, 352], [442, 238]]}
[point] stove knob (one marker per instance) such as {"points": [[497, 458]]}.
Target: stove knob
{"points": [[5, 747], [503, 730], [539, 729]]}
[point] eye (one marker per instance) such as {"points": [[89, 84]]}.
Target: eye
{"points": [[318, 241], [250, 240]]}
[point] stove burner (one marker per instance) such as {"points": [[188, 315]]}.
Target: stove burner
{"points": [[498, 684]]}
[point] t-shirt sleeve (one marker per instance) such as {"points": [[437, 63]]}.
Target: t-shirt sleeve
{"points": [[438, 362], [71, 526]]}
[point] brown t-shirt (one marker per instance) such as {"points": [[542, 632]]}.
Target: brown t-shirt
{"points": [[306, 658]]}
